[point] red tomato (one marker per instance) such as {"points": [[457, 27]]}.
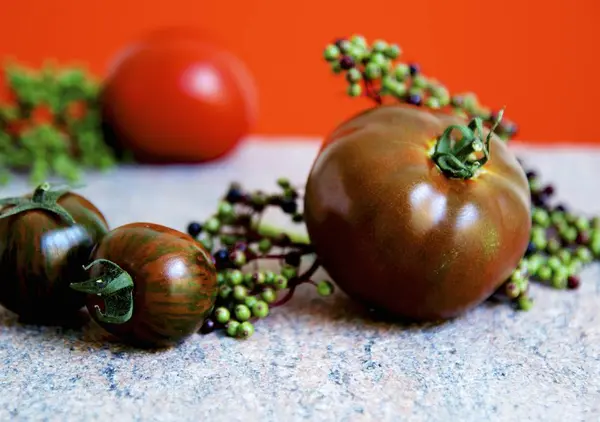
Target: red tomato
{"points": [[177, 96]]}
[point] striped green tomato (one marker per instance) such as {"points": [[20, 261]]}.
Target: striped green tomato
{"points": [[45, 239], [149, 285]]}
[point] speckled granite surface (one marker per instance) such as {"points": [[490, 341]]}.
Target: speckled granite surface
{"points": [[317, 359]]}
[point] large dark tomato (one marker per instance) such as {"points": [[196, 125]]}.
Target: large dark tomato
{"points": [[153, 286], [400, 234], [178, 96], [45, 239]]}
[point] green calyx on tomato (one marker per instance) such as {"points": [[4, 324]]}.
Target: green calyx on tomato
{"points": [[115, 287], [456, 159], [43, 198]]}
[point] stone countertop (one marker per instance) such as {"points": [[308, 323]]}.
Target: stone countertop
{"points": [[317, 358]]}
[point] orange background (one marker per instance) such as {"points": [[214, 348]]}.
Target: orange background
{"points": [[539, 58]]}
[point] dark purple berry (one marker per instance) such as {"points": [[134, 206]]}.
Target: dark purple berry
{"points": [[548, 190], [414, 69], [222, 259], [284, 240], [531, 175], [583, 238], [346, 62], [573, 282], [293, 258], [530, 249], [560, 208], [288, 205], [234, 195], [340, 42], [194, 229], [208, 326], [415, 99]]}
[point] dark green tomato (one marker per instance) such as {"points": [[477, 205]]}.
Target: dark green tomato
{"points": [[398, 234], [174, 279], [40, 255]]}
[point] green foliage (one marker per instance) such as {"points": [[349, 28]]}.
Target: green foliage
{"points": [[63, 142]]}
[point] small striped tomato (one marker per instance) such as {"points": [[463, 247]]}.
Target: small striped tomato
{"points": [[150, 286], [45, 239]]}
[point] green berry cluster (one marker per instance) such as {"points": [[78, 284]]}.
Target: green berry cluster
{"points": [[51, 125], [239, 242], [562, 243], [376, 71]]}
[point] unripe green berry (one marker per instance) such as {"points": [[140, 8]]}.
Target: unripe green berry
{"points": [[524, 303], [324, 288], [269, 295], [379, 46], [240, 292], [393, 51], [250, 301], [512, 290], [280, 282], [419, 81], [372, 71], [259, 278], [283, 182], [541, 217], [358, 40], [331, 53], [354, 90], [235, 277], [433, 103], [222, 315], [212, 225], [345, 46], [569, 234], [269, 277], [227, 240], [242, 312], [221, 278], [245, 330], [225, 291], [582, 224], [595, 246], [415, 91], [379, 59], [264, 245], [559, 278], [575, 266], [232, 328], [554, 263], [225, 209], [544, 273], [533, 263], [539, 242], [557, 217], [336, 67], [239, 258], [401, 71], [288, 271], [584, 254], [260, 309], [353, 75], [564, 255], [553, 246], [208, 243]]}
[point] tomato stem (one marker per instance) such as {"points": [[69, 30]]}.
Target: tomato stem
{"points": [[115, 287], [43, 198], [456, 159]]}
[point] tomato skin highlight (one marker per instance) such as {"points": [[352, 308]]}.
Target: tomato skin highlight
{"points": [[176, 96], [398, 235], [175, 284], [40, 255]]}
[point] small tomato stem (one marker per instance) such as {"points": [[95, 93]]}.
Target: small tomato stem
{"points": [[115, 287], [455, 159]]}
